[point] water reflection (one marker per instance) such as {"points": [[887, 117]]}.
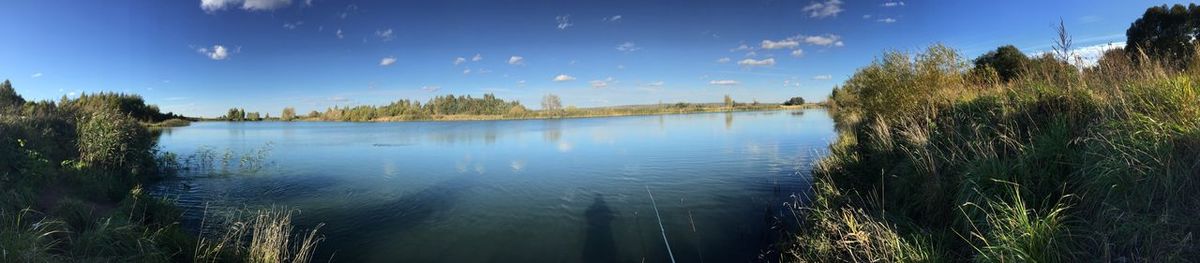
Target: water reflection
{"points": [[728, 120], [598, 245]]}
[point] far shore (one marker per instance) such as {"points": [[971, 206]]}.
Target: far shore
{"points": [[599, 112]]}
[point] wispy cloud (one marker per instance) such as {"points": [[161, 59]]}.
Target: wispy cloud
{"points": [[892, 4], [385, 35], [781, 44], [36, 75], [887, 20], [598, 84], [828, 8], [826, 40], [611, 18], [822, 77], [742, 47], [749, 62], [723, 60], [563, 78], [477, 57], [248, 5], [516, 60], [388, 61], [628, 47], [459, 60], [293, 25], [655, 84], [723, 82], [798, 53], [339, 34], [564, 21], [430, 88], [338, 99]]}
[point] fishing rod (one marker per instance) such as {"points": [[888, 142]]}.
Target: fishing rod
{"points": [[660, 225]]}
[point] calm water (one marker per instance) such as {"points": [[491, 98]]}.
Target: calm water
{"points": [[570, 190]]}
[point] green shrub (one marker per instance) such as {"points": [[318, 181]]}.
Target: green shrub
{"points": [[111, 139]]}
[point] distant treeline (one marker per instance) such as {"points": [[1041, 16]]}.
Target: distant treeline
{"points": [[403, 109], [466, 107]]}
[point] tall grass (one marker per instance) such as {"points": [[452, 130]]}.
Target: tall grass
{"points": [[1057, 165], [266, 236]]}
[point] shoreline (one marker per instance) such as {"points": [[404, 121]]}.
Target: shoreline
{"points": [[538, 116]]}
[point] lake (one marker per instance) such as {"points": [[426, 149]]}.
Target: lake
{"points": [[569, 190]]}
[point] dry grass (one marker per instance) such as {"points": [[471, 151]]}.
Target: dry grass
{"points": [[265, 237]]}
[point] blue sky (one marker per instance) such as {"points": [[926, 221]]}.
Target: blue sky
{"points": [[200, 57]]}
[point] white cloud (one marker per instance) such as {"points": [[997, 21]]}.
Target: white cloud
{"points": [[824, 9], [723, 82], [723, 60], [216, 52], [798, 53], [786, 43], [822, 77], [249, 5], [459, 60], [339, 34], [611, 18], [628, 47], [431, 88], [466, 71], [867, 16], [888, 20], [388, 61], [1090, 55], [749, 62], [36, 75], [563, 77], [477, 57], [516, 60], [826, 40], [893, 4], [656, 84], [564, 21], [385, 35]]}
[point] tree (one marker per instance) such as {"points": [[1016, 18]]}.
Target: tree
{"points": [[1007, 61], [1164, 34], [794, 101], [728, 101], [551, 102], [289, 113], [9, 97], [253, 116], [233, 115]]}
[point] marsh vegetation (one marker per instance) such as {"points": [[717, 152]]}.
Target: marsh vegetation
{"points": [[1016, 159]]}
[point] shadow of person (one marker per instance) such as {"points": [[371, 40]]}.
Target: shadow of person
{"points": [[599, 245]]}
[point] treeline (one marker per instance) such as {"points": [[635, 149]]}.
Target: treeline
{"points": [[1007, 158], [466, 107], [414, 110], [403, 109]]}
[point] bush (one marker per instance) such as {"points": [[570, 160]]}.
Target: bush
{"points": [[110, 139]]}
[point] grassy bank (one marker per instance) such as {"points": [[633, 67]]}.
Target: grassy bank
{"points": [[71, 177], [937, 161]]}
